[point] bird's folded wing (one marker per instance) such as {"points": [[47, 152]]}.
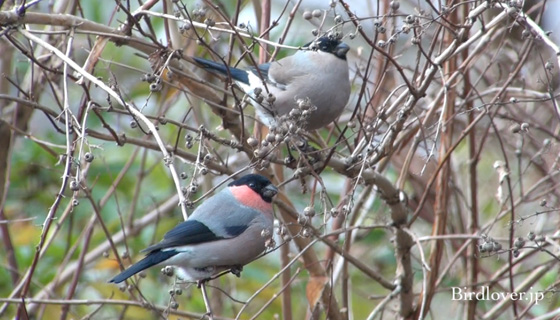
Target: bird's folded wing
{"points": [[185, 233], [284, 71]]}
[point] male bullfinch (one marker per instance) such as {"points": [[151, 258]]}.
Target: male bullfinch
{"points": [[314, 78], [226, 231]]}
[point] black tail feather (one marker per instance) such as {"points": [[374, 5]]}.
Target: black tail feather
{"points": [[153, 258], [236, 74]]}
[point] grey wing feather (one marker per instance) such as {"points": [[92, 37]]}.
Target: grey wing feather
{"points": [[185, 233], [223, 211], [284, 71], [211, 221]]}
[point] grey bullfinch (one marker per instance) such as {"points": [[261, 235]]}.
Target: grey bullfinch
{"points": [[226, 231], [314, 78]]}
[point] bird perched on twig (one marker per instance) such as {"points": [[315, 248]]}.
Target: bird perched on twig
{"points": [[314, 79], [225, 232]]}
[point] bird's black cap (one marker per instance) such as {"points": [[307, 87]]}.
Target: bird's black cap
{"points": [[330, 44], [259, 184]]}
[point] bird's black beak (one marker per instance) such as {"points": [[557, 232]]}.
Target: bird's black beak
{"points": [[341, 50], [269, 191]]}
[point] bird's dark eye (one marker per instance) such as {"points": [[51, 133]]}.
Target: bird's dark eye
{"points": [[252, 185]]}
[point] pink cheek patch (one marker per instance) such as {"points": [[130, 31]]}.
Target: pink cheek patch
{"points": [[247, 197]]}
